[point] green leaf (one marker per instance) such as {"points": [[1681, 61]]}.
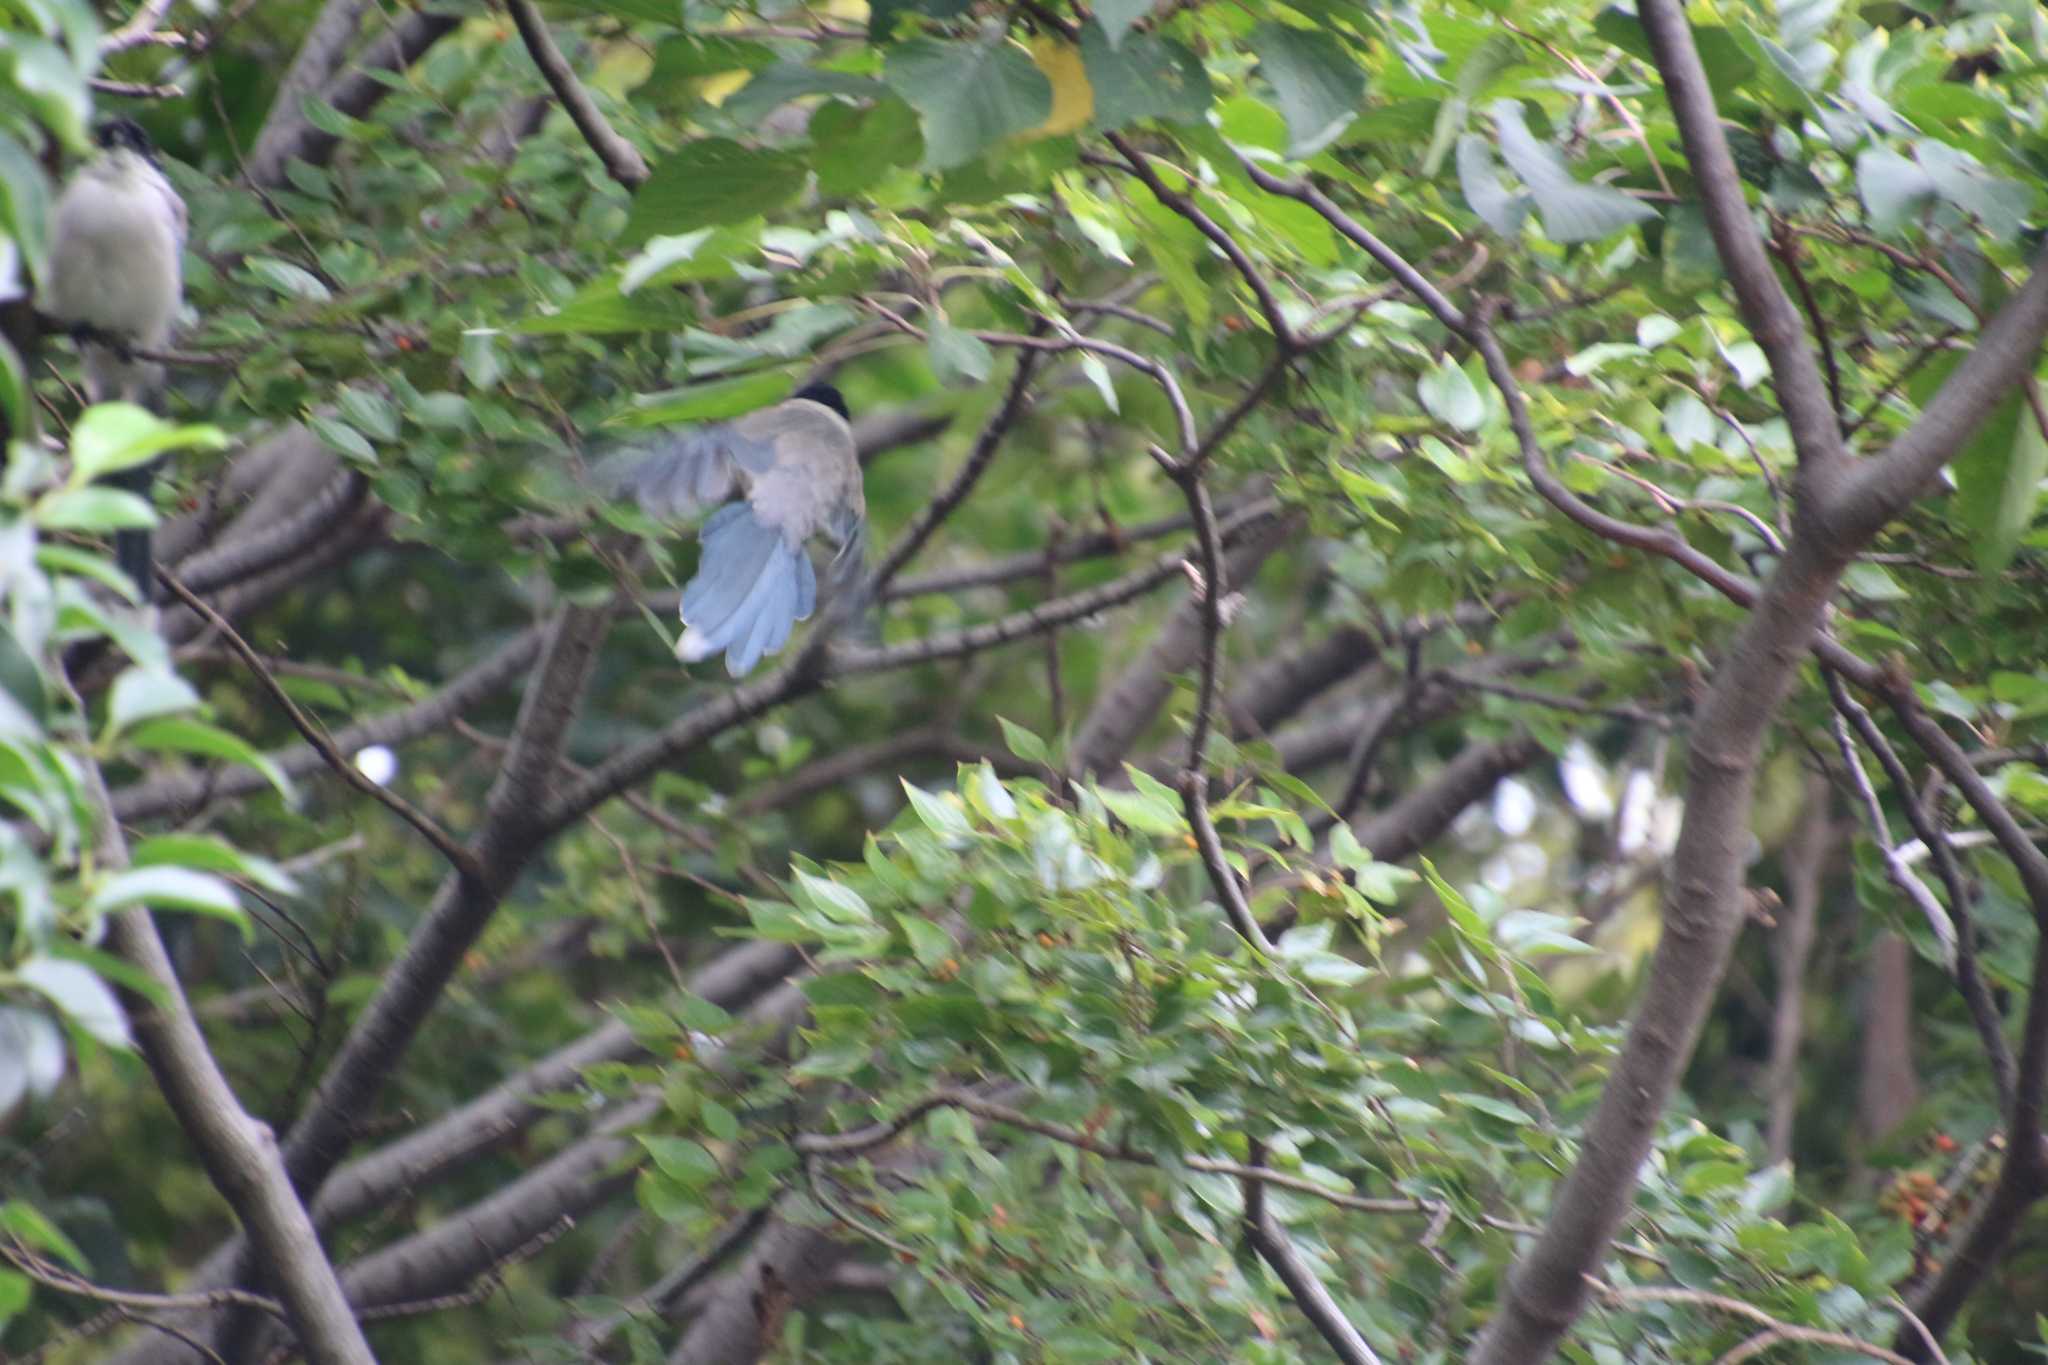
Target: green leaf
{"points": [[705, 402], [1114, 18], [1999, 205], [142, 693], [718, 1120], [93, 509], [1486, 1104], [168, 888], [1689, 423], [682, 1160], [711, 181], [1448, 394], [660, 254], [1023, 743], [1479, 181], [940, 815], [1096, 371], [1571, 211], [369, 412], [342, 439], [67, 559], [1476, 72], [482, 365], [1316, 85], [25, 194], [929, 944], [210, 854], [960, 360], [1147, 78], [113, 436], [78, 991], [853, 146], [840, 903], [291, 281], [21, 679], [28, 1225], [1146, 813], [969, 95], [1893, 189], [186, 736], [1998, 484]]}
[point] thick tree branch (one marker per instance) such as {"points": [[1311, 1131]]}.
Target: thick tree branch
{"points": [[319, 57], [734, 980], [413, 985], [622, 160], [1804, 858], [1772, 317], [1123, 709], [239, 1152], [2005, 354]]}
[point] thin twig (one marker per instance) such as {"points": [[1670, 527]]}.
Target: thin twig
{"points": [[1964, 965], [1900, 876], [1776, 1330], [459, 857], [65, 1282], [1310, 1294]]}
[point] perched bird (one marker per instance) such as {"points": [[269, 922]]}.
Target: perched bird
{"points": [[798, 473], [116, 268]]}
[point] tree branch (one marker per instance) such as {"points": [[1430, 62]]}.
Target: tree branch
{"points": [[1270, 1240], [240, 1154], [1773, 319], [622, 160]]}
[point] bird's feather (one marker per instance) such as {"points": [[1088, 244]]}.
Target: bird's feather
{"points": [[751, 588]]}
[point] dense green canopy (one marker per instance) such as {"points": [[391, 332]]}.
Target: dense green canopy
{"points": [[1451, 762]]}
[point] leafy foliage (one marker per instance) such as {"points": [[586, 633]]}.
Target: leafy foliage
{"points": [[1023, 985]]}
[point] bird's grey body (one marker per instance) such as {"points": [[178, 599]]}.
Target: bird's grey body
{"points": [[796, 466], [117, 243], [116, 265]]}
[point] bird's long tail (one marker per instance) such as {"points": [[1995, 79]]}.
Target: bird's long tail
{"points": [[110, 375], [133, 549], [752, 587]]}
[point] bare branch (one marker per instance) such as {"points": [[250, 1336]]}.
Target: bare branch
{"points": [[1776, 1330], [1184, 205]]}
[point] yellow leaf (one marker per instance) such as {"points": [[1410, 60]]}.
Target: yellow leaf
{"points": [[716, 90], [1073, 99]]}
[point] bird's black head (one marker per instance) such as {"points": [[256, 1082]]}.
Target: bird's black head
{"points": [[124, 134], [826, 395]]}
